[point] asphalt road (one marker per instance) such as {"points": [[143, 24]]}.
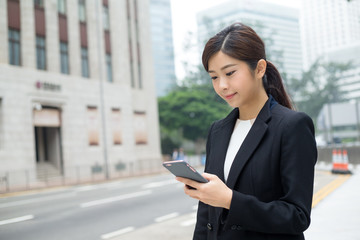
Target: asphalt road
{"points": [[138, 206], [95, 211]]}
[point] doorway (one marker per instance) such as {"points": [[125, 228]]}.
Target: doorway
{"points": [[47, 132]]}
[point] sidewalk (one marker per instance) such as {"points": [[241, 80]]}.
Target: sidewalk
{"points": [[337, 217], [180, 228]]}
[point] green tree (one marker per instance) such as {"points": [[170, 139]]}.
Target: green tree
{"points": [[187, 112], [317, 86]]}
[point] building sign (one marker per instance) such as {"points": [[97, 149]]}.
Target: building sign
{"points": [[46, 117], [48, 86]]}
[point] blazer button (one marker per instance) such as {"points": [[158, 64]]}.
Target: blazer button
{"points": [[209, 226]]}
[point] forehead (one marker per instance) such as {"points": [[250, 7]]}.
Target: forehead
{"points": [[220, 60]]}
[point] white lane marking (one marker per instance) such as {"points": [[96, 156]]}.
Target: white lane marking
{"points": [[188, 222], [117, 233], [16, 220], [159, 184], [86, 188], [166, 217], [115, 199], [110, 185], [36, 200]]}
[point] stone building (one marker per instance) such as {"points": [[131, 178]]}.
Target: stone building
{"points": [[76, 86]]}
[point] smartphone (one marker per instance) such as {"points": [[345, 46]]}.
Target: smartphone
{"points": [[181, 168]]}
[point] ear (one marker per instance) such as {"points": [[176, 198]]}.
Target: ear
{"points": [[260, 68]]}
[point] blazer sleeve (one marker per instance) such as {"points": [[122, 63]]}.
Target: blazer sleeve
{"points": [[200, 231], [290, 214]]}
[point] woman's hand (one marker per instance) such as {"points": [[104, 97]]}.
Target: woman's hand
{"points": [[214, 193]]}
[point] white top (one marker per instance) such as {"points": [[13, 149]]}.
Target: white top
{"points": [[241, 129]]}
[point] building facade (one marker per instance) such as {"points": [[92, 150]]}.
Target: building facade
{"points": [[328, 25], [331, 33], [76, 85], [339, 122], [162, 45], [277, 23]]}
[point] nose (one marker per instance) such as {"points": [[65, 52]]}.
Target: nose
{"points": [[223, 84]]}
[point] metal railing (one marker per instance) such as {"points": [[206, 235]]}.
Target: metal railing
{"points": [[28, 179]]}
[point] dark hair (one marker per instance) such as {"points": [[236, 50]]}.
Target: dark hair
{"points": [[241, 42]]}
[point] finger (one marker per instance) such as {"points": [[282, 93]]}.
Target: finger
{"points": [[209, 176], [188, 182]]}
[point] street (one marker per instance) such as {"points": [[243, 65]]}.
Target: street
{"points": [[105, 211], [94, 211]]}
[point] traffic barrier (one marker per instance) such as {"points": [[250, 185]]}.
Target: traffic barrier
{"points": [[340, 162]]}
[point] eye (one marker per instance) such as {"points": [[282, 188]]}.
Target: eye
{"points": [[214, 77], [230, 73]]}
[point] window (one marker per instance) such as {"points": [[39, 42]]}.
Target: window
{"points": [[82, 11], [39, 3], [106, 18], [140, 128], [64, 57], [14, 47], [40, 53], [84, 62], [116, 126], [109, 67], [93, 125], [61, 6]]}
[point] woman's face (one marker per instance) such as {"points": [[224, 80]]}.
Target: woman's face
{"points": [[234, 81]]}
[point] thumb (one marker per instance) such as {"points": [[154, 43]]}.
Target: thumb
{"points": [[209, 176]]}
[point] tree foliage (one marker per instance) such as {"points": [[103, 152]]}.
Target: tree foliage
{"points": [[188, 111], [317, 86]]}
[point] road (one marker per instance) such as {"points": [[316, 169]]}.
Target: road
{"points": [[105, 211], [94, 211]]}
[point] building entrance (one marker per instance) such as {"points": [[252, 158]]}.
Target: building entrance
{"points": [[47, 129]]}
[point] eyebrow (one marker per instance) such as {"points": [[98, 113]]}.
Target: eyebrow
{"points": [[224, 67]]}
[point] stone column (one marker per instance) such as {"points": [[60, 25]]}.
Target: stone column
{"points": [[4, 52], [119, 41], [28, 45], [52, 36], [95, 39], [74, 37]]}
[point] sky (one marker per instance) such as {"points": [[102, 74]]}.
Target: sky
{"points": [[184, 21]]}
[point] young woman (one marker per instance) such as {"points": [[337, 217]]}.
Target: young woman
{"points": [[260, 158]]}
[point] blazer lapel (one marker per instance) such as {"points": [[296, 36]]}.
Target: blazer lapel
{"points": [[222, 138], [250, 143]]}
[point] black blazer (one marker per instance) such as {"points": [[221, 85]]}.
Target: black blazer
{"points": [[272, 177]]}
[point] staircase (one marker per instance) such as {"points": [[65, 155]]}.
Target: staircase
{"points": [[47, 172]]}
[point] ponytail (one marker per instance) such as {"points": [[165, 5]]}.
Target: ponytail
{"points": [[273, 85]]}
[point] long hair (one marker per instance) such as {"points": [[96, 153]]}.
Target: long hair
{"points": [[241, 42]]}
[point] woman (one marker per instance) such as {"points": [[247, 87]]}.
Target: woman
{"points": [[261, 157]]}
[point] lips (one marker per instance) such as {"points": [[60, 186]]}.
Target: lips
{"points": [[230, 96]]}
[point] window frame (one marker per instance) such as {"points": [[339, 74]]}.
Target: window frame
{"points": [[85, 71], [64, 58], [40, 52], [61, 6], [13, 43]]}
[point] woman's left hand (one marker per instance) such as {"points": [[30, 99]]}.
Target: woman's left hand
{"points": [[214, 193]]}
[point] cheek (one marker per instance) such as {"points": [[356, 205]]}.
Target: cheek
{"points": [[216, 86]]}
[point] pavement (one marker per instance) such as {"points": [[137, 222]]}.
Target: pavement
{"points": [[335, 216]]}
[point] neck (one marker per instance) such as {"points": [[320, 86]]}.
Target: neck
{"points": [[253, 107]]}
